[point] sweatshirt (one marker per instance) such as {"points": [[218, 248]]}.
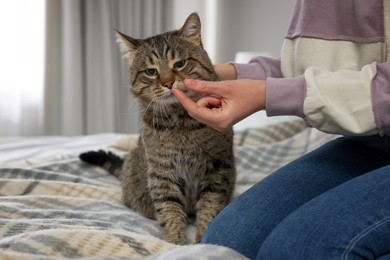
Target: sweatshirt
{"points": [[333, 70]]}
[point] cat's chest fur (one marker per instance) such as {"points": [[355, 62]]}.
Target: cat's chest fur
{"points": [[183, 150], [179, 154]]}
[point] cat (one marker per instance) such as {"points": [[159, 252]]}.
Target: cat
{"points": [[180, 168]]}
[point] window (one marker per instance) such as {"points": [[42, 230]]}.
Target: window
{"points": [[22, 26]]}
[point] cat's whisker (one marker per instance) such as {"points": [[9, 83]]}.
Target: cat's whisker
{"points": [[139, 110], [147, 107], [132, 103], [161, 111], [135, 100], [164, 109], [157, 112]]}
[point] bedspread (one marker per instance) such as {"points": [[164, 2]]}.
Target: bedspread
{"points": [[64, 208]]}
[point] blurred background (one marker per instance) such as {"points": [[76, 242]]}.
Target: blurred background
{"points": [[62, 72]]}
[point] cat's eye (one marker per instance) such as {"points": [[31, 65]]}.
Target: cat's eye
{"points": [[151, 71], [179, 64]]}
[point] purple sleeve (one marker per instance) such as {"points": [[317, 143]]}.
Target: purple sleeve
{"points": [[259, 68], [285, 96], [381, 98]]}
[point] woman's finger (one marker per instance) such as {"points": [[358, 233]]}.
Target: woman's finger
{"points": [[201, 112], [187, 103], [216, 88], [209, 101]]}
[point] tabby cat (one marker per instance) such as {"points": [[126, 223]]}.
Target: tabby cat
{"points": [[181, 168]]}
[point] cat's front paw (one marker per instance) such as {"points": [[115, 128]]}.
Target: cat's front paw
{"points": [[177, 238], [178, 241], [174, 228], [199, 235]]}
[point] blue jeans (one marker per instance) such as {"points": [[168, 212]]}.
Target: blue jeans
{"points": [[333, 203]]}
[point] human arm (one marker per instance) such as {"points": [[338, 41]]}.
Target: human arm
{"points": [[348, 102], [225, 71], [345, 102], [258, 68], [230, 100], [225, 103]]}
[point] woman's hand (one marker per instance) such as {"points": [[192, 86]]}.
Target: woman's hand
{"points": [[226, 102]]}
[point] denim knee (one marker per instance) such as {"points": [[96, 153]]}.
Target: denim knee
{"points": [[228, 230]]}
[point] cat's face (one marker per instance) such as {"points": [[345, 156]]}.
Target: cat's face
{"points": [[156, 63]]}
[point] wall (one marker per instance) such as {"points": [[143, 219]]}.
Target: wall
{"points": [[230, 26], [251, 25]]}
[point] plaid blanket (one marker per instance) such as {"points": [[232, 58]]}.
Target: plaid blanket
{"points": [[68, 209]]}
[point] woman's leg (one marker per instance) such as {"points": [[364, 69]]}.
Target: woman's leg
{"points": [[351, 221], [247, 221]]}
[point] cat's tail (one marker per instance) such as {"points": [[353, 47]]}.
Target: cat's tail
{"points": [[107, 160]]}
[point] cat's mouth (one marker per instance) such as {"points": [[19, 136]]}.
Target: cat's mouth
{"points": [[166, 96]]}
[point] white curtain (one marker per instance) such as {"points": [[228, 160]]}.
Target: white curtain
{"points": [[86, 82], [21, 66]]}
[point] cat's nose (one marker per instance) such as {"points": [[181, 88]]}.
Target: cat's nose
{"points": [[168, 85]]}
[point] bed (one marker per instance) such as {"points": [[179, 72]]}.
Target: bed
{"points": [[54, 206]]}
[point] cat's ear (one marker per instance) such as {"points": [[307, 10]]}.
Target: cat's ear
{"points": [[127, 45], [191, 29]]}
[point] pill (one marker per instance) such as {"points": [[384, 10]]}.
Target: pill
{"points": [[180, 85]]}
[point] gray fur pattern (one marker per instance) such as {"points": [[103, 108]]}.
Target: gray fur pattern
{"points": [[181, 168]]}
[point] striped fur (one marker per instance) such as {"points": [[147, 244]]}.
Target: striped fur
{"points": [[180, 167]]}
